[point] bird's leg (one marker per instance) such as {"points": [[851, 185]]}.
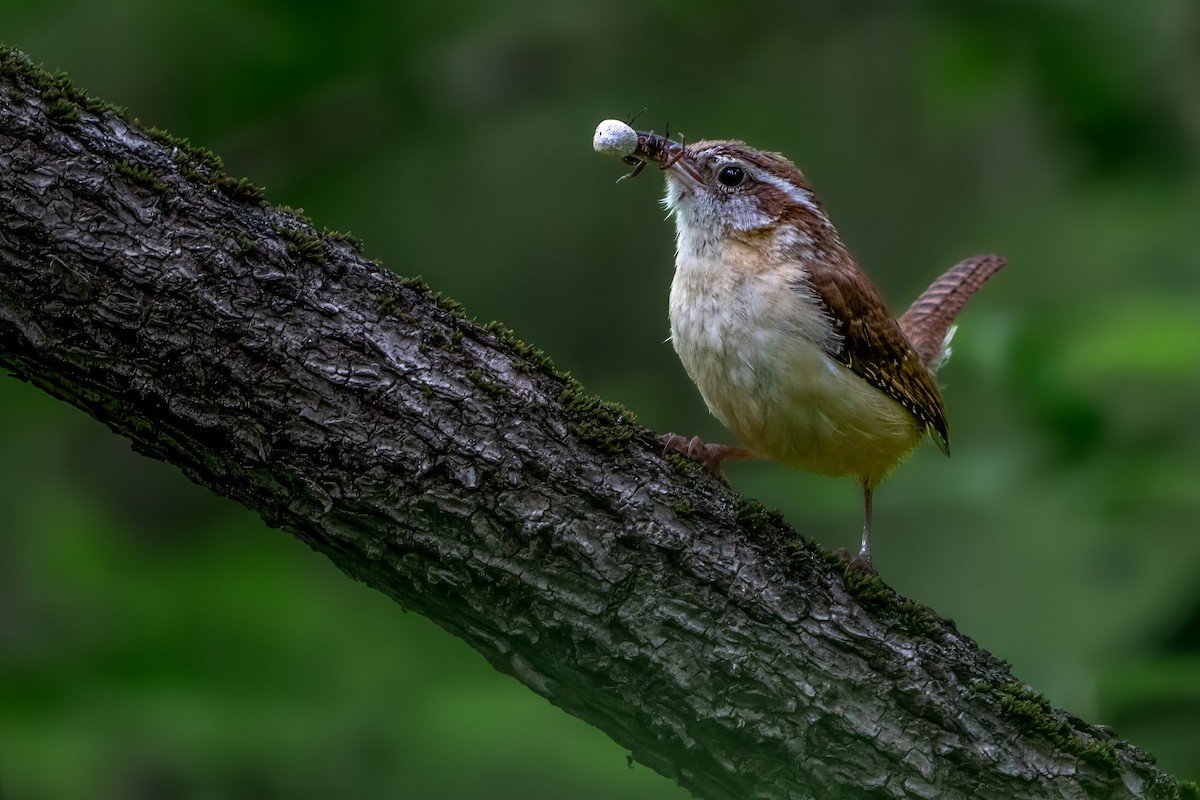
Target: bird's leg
{"points": [[863, 561], [710, 455], [864, 552]]}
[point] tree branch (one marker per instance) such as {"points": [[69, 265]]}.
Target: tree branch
{"points": [[450, 466]]}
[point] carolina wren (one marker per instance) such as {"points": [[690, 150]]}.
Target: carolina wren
{"points": [[790, 343]]}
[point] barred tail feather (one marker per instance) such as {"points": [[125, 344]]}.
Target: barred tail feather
{"points": [[929, 322]]}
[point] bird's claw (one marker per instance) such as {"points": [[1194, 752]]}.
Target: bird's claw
{"points": [[860, 562], [710, 455]]}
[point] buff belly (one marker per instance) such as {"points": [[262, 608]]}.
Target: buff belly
{"points": [[764, 375]]}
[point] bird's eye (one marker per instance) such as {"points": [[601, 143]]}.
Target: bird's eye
{"points": [[731, 176]]}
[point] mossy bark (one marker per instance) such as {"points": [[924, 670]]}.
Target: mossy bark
{"points": [[449, 466]]}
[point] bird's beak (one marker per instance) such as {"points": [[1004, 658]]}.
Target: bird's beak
{"points": [[683, 168], [670, 156]]}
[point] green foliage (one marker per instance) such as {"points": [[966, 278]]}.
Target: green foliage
{"points": [[204, 166], [607, 426], [533, 355], [755, 516], [61, 110], [245, 244], [302, 245], [142, 176], [62, 98], [481, 379], [238, 188], [185, 153], [684, 508], [1035, 714], [346, 237], [883, 603]]}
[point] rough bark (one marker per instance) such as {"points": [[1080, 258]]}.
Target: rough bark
{"points": [[448, 466]]}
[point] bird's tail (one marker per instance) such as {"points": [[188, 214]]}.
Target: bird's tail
{"points": [[928, 323]]}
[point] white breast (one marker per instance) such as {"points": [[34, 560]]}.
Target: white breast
{"points": [[756, 347]]}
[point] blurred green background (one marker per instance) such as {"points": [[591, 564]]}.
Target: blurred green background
{"points": [[156, 641]]}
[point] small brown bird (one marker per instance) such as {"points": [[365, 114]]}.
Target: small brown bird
{"points": [[791, 345]]}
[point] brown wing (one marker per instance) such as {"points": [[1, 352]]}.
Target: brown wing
{"points": [[927, 320], [872, 345]]}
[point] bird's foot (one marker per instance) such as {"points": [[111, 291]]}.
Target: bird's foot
{"points": [[710, 455], [860, 562]]}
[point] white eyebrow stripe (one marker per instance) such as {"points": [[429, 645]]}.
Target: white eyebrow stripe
{"points": [[797, 194]]}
